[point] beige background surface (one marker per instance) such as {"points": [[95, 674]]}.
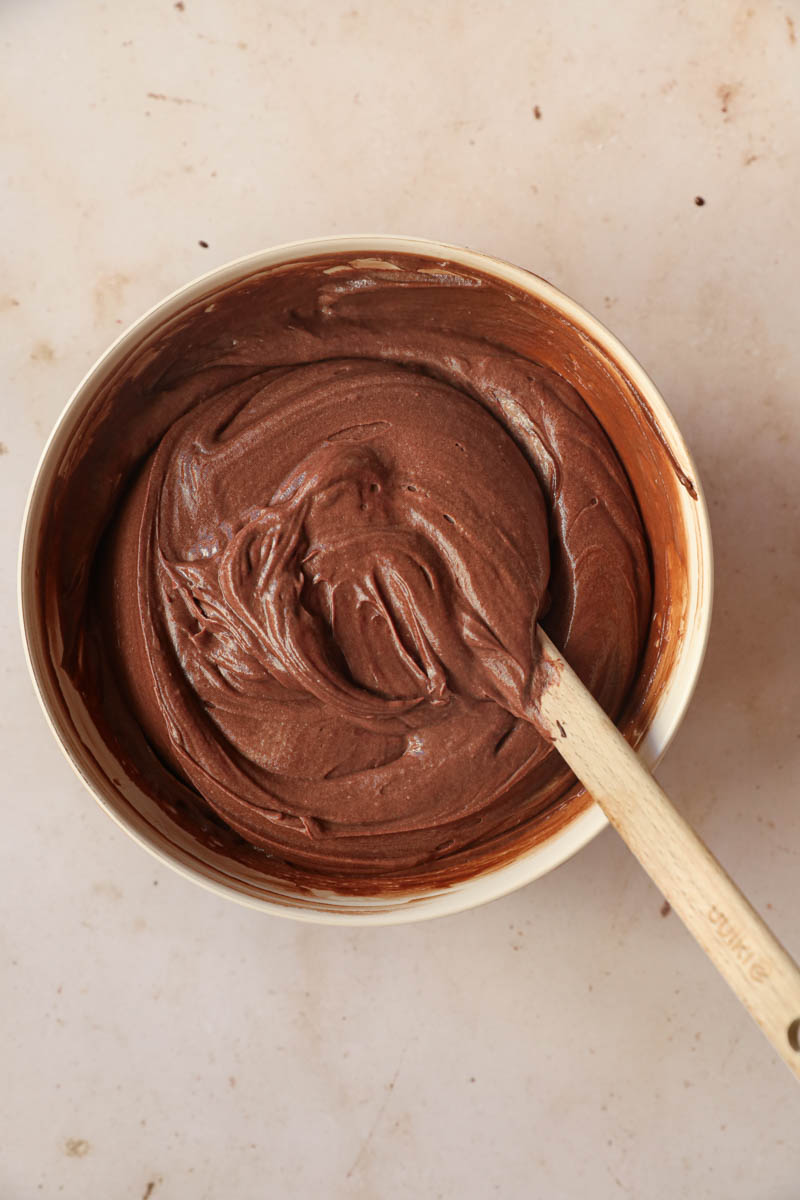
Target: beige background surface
{"points": [[567, 1041]]}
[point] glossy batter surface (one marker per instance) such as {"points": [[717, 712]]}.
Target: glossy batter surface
{"points": [[320, 586]]}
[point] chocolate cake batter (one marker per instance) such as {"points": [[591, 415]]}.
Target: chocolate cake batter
{"points": [[341, 510]]}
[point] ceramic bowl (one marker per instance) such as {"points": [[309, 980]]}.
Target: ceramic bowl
{"points": [[666, 484]]}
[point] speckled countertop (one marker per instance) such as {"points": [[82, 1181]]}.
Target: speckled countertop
{"points": [[570, 1040]]}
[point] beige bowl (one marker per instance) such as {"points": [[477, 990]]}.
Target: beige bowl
{"points": [[664, 479]]}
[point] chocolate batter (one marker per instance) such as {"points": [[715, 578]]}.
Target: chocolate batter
{"points": [[342, 506]]}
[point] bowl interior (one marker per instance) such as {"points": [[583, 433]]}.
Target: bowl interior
{"points": [[543, 324]]}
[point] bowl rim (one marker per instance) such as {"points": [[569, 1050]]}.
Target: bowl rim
{"points": [[578, 831]]}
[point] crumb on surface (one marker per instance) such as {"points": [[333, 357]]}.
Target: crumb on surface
{"points": [[76, 1147]]}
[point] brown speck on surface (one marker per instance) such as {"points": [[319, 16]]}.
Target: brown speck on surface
{"points": [[151, 1184], [666, 908], [7, 302], [43, 352], [203, 244], [472, 1078], [725, 94], [181, 7], [76, 1147], [175, 99], [232, 1081], [749, 159], [3, 449], [537, 112], [791, 28], [561, 729], [699, 201]]}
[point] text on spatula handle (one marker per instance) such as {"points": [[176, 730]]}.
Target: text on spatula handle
{"points": [[757, 969]]}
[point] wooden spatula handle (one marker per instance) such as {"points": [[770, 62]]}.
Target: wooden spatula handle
{"points": [[741, 946]]}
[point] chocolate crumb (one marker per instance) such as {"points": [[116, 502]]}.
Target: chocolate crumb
{"points": [[203, 244], [537, 112], [666, 908], [699, 201]]}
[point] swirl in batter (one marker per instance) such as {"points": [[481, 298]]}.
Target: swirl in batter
{"points": [[326, 575]]}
